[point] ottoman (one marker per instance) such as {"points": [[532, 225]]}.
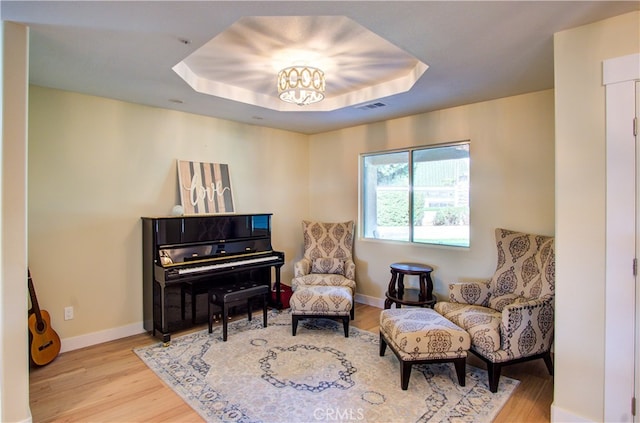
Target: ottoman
{"points": [[422, 336], [319, 301]]}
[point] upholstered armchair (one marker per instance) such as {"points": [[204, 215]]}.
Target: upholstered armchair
{"points": [[328, 256], [510, 317]]}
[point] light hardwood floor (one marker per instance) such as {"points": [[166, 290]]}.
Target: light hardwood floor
{"points": [[109, 383]]}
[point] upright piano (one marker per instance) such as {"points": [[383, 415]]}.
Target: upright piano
{"points": [[202, 251]]}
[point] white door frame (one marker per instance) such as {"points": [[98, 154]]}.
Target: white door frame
{"points": [[619, 76]]}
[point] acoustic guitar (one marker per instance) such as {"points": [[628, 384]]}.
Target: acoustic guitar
{"points": [[45, 342]]}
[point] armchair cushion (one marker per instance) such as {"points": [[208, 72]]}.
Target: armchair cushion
{"points": [[324, 280], [482, 323], [327, 265]]}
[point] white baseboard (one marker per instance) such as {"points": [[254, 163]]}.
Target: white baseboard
{"points": [[372, 301], [82, 341], [560, 415]]}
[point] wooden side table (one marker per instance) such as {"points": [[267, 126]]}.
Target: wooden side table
{"points": [[396, 293]]}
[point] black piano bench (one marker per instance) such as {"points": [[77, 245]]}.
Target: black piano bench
{"points": [[231, 295]]}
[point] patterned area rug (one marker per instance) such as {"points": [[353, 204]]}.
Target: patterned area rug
{"points": [[267, 375]]}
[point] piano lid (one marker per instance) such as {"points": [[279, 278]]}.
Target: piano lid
{"points": [[205, 229]]}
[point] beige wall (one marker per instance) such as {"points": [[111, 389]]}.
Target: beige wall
{"points": [[97, 165], [512, 182], [580, 209]]}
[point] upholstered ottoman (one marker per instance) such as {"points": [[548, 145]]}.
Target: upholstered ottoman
{"points": [[319, 301], [422, 336]]}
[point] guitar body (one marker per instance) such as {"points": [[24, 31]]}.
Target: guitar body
{"points": [[45, 342]]}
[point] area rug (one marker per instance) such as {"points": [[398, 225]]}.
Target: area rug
{"points": [[268, 375]]}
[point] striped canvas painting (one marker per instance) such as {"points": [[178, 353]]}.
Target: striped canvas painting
{"points": [[205, 188]]}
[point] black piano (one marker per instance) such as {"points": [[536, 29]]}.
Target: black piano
{"points": [[193, 253]]}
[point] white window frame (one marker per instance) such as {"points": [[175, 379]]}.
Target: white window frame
{"points": [[366, 232]]}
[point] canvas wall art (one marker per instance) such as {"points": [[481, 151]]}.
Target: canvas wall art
{"points": [[205, 188]]}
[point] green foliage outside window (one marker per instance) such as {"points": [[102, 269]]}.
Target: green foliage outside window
{"points": [[452, 216], [393, 208]]}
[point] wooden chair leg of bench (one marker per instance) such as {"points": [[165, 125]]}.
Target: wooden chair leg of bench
{"points": [[548, 362], [460, 364], [383, 345], [493, 370], [405, 374], [264, 310], [294, 325], [345, 322], [225, 318]]}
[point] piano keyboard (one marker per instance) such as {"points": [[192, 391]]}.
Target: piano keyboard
{"points": [[215, 266]]}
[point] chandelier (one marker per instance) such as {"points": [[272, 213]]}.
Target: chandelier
{"points": [[301, 85]]}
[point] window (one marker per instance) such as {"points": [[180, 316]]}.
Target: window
{"points": [[432, 182]]}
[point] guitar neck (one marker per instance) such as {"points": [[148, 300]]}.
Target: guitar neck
{"points": [[34, 300]]}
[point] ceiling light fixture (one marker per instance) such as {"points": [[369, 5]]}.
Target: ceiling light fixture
{"points": [[301, 85]]}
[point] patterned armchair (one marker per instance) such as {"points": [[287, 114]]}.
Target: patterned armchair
{"points": [[328, 257], [510, 317]]}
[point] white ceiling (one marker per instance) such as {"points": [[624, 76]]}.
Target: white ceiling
{"points": [[475, 50]]}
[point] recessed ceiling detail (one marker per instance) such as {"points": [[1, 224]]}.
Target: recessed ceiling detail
{"points": [[242, 62]]}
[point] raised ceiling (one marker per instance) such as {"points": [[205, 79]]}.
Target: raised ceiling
{"points": [[242, 62], [475, 51]]}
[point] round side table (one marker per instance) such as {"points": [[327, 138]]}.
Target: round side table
{"points": [[398, 295]]}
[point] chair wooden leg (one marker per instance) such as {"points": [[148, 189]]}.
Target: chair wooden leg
{"points": [[294, 324], [405, 374], [345, 323], [383, 345], [460, 365], [249, 309], [494, 375], [548, 362]]}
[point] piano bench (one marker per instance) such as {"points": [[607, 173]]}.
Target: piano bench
{"points": [[231, 295]]}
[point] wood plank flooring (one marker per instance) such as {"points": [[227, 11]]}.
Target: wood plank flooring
{"points": [[109, 383]]}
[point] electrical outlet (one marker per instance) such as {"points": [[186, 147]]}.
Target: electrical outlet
{"points": [[68, 313]]}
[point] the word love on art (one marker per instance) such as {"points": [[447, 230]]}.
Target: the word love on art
{"points": [[205, 188]]}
